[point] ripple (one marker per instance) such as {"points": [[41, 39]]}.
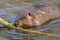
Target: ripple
{"points": [[2, 11]]}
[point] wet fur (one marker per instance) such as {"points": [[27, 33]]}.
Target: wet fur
{"points": [[41, 13]]}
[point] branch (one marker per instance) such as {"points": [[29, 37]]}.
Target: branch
{"points": [[8, 25]]}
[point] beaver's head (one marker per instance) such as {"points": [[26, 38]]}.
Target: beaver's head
{"points": [[29, 18], [34, 16]]}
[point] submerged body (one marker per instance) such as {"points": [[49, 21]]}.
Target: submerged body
{"points": [[36, 15]]}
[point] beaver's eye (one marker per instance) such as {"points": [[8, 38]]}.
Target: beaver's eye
{"points": [[29, 14]]}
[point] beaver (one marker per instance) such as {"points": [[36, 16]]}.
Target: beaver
{"points": [[35, 16]]}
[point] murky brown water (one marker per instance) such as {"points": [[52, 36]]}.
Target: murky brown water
{"points": [[8, 11]]}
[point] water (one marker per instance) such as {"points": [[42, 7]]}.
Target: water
{"points": [[8, 11]]}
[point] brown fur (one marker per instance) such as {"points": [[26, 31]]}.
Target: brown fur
{"points": [[37, 14]]}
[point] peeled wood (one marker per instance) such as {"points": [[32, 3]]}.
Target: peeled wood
{"points": [[8, 25]]}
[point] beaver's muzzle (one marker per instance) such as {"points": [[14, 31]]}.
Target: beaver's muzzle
{"points": [[28, 22]]}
